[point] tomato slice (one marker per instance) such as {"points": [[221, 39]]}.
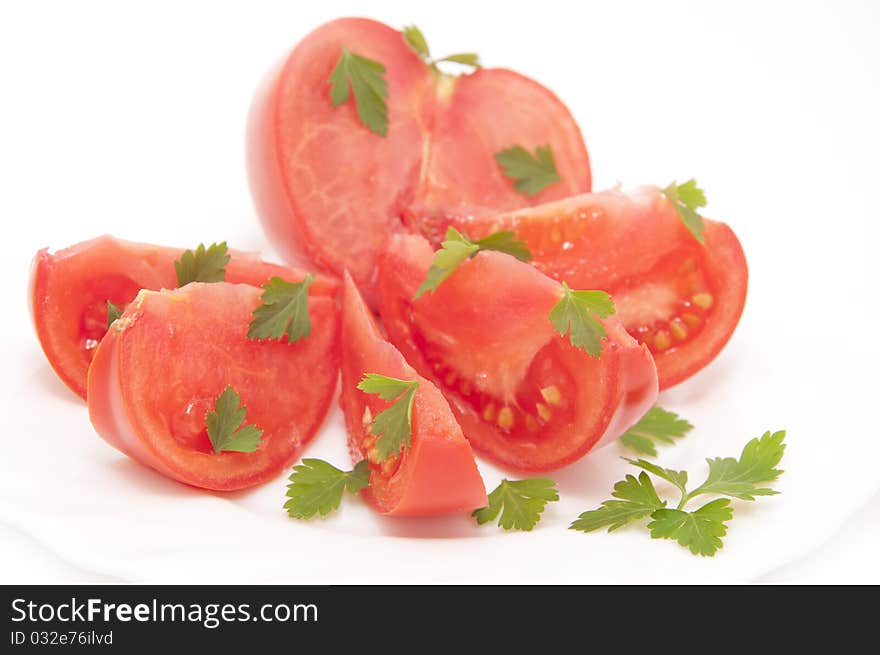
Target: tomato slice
{"points": [[69, 290], [437, 474], [329, 190], [682, 299], [522, 394], [162, 365]]}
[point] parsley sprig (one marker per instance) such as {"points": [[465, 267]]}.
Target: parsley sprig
{"points": [[366, 78], [416, 40], [687, 198], [284, 311], [316, 487], [393, 426], [457, 247], [658, 424], [202, 264], [224, 425], [519, 502], [700, 530], [577, 314], [530, 173]]}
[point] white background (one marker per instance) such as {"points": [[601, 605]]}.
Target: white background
{"points": [[128, 118]]}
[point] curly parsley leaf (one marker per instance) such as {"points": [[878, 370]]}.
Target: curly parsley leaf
{"points": [[284, 311], [637, 499], [393, 426], [657, 424], [366, 78], [530, 173], [687, 198], [224, 425], [113, 312], [316, 487], [417, 41], [457, 247], [520, 503], [744, 478], [202, 264], [700, 531], [576, 314]]}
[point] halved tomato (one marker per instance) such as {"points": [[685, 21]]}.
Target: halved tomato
{"points": [[69, 290], [330, 190], [523, 395], [437, 474], [680, 298], [163, 363]]}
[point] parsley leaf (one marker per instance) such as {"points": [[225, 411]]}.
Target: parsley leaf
{"points": [[656, 424], [531, 173], [285, 310], [393, 426], [203, 264], [366, 78], [113, 312], [678, 478], [416, 40], [458, 247], [520, 503], [576, 314], [637, 499], [744, 478], [316, 487], [687, 198], [224, 425], [700, 531]]}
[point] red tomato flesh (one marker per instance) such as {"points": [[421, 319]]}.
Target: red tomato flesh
{"points": [[523, 395], [682, 299], [437, 474], [69, 290], [162, 365], [331, 191]]}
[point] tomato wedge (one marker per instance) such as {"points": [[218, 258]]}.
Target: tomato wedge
{"points": [[331, 191], [69, 290], [523, 395], [164, 362], [680, 298], [437, 474]]}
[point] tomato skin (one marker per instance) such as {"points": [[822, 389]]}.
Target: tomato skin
{"points": [[437, 474], [330, 192], [493, 314], [69, 289], [629, 244], [194, 341]]}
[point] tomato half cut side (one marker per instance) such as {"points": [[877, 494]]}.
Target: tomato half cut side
{"points": [[523, 395], [163, 363], [680, 298], [437, 474], [330, 191], [69, 290]]}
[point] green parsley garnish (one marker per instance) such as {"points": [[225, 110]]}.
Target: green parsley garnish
{"points": [[113, 312], [224, 425], [687, 198], [577, 314], [416, 40], [393, 426], [203, 264], [520, 503], [458, 247], [700, 530], [316, 487], [656, 424], [284, 311], [366, 78], [530, 173]]}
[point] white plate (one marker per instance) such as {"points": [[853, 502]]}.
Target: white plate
{"points": [[782, 134]]}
